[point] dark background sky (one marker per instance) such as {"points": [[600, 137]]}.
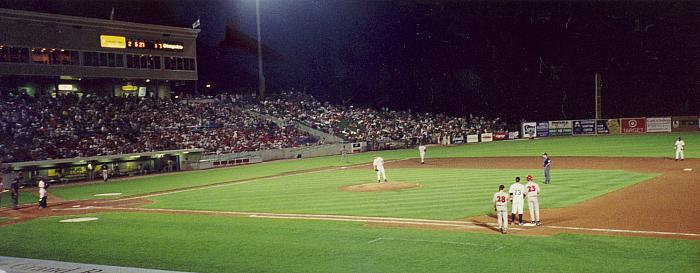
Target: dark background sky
{"points": [[514, 59]]}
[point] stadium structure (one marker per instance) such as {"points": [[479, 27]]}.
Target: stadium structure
{"points": [[50, 53]]}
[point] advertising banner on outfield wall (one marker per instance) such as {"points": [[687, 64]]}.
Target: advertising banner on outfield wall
{"points": [[529, 129], [560, 128], [659, 125], [458, 140], [633, 125], [584, 127], [542, 128], [472, 138], [685, 123], [513, 135], [486, 137], [500, 136], [607, 126]]}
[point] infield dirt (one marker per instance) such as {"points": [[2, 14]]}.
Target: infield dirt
{"points": [[659, 204]]}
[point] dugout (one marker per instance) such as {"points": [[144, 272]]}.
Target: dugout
{"points": [[123, 165]]}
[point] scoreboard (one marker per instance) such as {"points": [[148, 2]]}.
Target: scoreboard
{"points": [[109, 41], [156, 45]]}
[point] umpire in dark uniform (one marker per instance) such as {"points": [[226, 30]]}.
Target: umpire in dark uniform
{"points": [[14, 192]]}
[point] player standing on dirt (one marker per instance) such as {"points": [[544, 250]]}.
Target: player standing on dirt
{"points": [[517, 192], [679, 148], [421, 151], [500, 205], [532, 190], [547, 163], [378, 165], [42, 193], [14, 190]]}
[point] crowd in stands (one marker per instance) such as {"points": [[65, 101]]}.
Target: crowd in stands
{"points": [[67, 126], [70, 126], [355, 124]]}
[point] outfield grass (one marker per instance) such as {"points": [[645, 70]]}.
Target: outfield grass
{"points": [[232, 244], [443, 194], [649, 145]]}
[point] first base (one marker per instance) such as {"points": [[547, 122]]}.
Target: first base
{"points": [[688, 169]]}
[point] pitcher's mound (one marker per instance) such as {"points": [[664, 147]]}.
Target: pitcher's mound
{"points": [[384, 186]]}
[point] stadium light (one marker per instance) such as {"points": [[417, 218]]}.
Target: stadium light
{"points": [[261, 76]]}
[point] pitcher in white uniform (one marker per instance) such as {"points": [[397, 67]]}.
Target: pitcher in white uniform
{"points": [[532, 190], [679, 148], [500, 204], [517, 192], [378, 165]]}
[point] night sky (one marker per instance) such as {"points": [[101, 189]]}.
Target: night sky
{"points": [[517, 59]]}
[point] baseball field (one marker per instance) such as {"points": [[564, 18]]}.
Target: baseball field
{"points": [[616, 204]]}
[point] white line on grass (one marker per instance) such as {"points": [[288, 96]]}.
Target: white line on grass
{"points": [[463, 225], [420, 241], [375, 240], [374, 219], [322, 217]]}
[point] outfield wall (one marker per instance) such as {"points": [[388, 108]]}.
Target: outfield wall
{"points": [[637, 125], [243, 158]]}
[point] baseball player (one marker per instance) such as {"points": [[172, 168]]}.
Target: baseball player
{"points": [[42, 193], [547, 163], [343, 153], [421, 151], [517, 192], [14, 193], [378, 165], [90, 171], [531, 191], [500, 205], [105, 173], [679, 148]]}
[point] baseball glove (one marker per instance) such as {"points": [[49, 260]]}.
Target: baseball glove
{"points": [[376, 170]]}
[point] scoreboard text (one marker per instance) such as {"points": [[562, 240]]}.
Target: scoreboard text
{"points": [[124, 42]]}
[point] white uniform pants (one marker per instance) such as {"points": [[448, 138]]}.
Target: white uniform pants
{"points": [[381, 173], [422, 157], [518, 206], [534, 207], [679, 154], [502, 215]]}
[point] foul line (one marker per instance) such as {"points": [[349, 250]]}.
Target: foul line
{"points": [[424, 241], [371, 219]]}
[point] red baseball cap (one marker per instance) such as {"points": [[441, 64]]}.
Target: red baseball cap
{"points": [[529, 177]]}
